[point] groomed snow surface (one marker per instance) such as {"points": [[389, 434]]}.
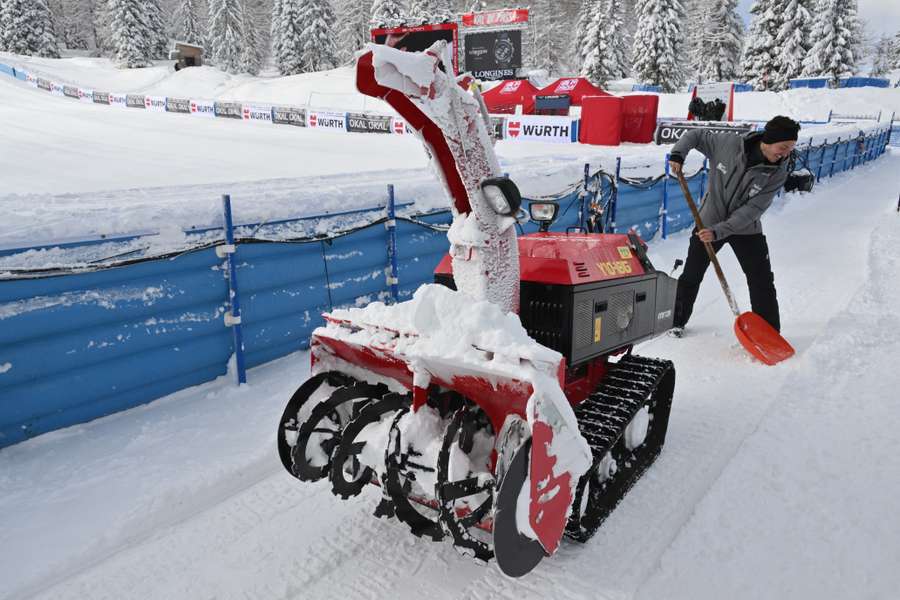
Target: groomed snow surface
{"points": [[775, 482]]}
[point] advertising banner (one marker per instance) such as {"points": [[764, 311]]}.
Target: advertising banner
{"points": [[155, 103], [178, 105], [44, 84], [289, 115], [671, 132], [31, 80], [493, 54], [120, 100], [559, 130], [70, 91], [257, 113], [363, 123], [399, 126], [135, 101], [229, 110], [86, 95], [203, 108], [492, 18], [56, 89], [715, 98], [327, 120], [100, 97]]}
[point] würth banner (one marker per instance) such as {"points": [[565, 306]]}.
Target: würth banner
{"points": [[558, 130]]}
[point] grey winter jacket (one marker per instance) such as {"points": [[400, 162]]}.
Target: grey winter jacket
{"points": [[737, 196]]}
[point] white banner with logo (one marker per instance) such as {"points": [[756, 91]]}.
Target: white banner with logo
{"points": [[31, 79], [723, 92], [327, 120], [119, 100], [85, 95], [399, 126], [57, 89], [535, 128], [257, 113], [155, 103], [203, 108]]}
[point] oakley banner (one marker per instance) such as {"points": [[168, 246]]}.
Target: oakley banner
{"points": [[289, 115], [70, 91], [230, 110], [178, 105], [670, 132], [493, 54], [362, 123], [135, 101], [101, 98]]}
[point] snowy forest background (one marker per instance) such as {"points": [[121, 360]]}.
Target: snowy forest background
{"points": [[662, 42]]}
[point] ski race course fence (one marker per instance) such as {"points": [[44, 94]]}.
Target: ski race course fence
{"points": [[119, 325]]}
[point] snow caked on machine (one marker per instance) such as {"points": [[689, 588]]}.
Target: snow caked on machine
{"points": [[500, 407]]}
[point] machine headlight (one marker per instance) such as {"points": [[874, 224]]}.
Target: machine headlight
{"points": [[502, 195], [543, 212]]}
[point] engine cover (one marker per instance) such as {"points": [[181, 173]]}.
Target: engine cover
{"points": [[586, 295]]}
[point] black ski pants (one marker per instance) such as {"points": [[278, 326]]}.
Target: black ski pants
{"points": [[752, 253]]}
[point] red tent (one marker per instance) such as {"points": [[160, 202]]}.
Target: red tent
{"points": [[575, 88], [503, 98]]}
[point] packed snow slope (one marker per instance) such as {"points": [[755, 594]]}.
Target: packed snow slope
{"points": [[775, 482], [74, 170]]}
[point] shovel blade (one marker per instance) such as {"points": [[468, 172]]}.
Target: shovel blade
{"points": [[761, 339]]}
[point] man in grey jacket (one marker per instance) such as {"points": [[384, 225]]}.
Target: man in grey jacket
{"points": [[745, 173]]}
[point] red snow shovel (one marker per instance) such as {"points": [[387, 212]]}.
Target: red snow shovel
{"points": [[752, 331]]}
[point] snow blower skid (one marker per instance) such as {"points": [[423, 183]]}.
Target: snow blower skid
{"points": [[500, 408]]}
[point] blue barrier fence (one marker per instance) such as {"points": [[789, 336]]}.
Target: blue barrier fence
{"points": [[78, 346]]}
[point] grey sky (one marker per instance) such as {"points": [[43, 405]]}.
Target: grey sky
{"points": [[882, 16]]}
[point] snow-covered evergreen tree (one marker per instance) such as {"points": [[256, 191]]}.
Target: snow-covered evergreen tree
{"points": [[28, 27], [658, 43], [586, 13], [428, 11], [353, 31], [761, 61], [225, 36], [719, 53], [696, 27], [129, 33], [832, 52], [287, 30], [792, 43], [881, 57], [187, 23], [550, 35], [895, 52], [251, 49], [605, 52], [317, 48], [157, 41], [387, 13]]}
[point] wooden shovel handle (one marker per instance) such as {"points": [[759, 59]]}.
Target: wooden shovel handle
{"points": [[709, 249]]}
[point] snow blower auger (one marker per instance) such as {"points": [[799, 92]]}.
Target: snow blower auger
{"points": [[497, 428]]}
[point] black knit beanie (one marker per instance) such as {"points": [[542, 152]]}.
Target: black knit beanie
{"points": [[780, 129]]}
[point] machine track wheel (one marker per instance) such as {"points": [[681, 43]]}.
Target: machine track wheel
{"points": [[458, 523], [607, 420], [291, 420], [400, 468], [344, 461]]}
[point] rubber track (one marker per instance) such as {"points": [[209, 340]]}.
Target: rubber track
{"points": [[629, 385]]}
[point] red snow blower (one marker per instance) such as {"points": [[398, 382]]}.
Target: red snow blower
{"points": [[501, 407]]}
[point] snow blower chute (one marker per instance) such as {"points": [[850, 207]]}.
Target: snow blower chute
{"points": [[500, 407]]}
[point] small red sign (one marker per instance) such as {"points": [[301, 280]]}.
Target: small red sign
{"points": [[193, 107], [495, 17], [513, 128], [312, 120]]}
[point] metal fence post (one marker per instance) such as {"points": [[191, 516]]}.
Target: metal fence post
{"points": [[233, 317], [615, 200], [821, 161], [664, 210], [587, 180], [703, 177], [834, 158], [393, 280]]}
